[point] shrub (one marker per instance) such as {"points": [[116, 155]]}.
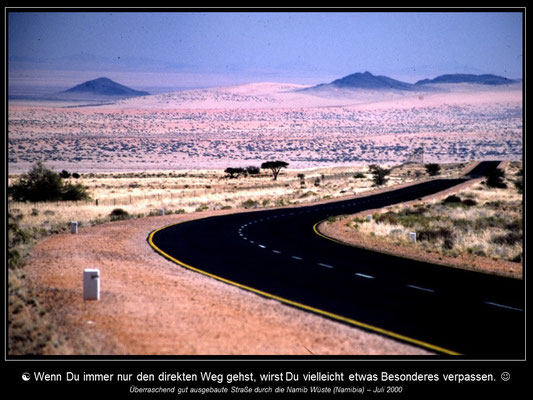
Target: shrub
{"points": [[469, 202], [509, 239], [43, 184], [234, 172], [118, 214], [432, 235], [451, 199], [476, 250], [447, 243], [433, 169], [74, 192], [202, 207], [519, 185], [495, 179], [250, 203]]}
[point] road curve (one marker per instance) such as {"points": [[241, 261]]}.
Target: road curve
{"points": [[277, 253]]}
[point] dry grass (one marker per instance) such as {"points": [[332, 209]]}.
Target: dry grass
{"points": [[485, 223], [144, 194]]}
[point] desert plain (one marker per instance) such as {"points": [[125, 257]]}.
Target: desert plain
{"points": [[248, 124], [168, 151]]}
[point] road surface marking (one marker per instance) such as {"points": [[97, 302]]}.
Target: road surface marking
{"points": [[502, 306], [297, 304], [297, 258], [263, 247], [276, 251], [421, 288], [326, 265], [364, 276]]}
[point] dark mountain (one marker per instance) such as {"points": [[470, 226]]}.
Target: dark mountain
{"points": [[486, 79], [368, 81], [103, 87]]}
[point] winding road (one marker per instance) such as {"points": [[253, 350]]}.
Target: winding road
{"points": [[278, 254]]}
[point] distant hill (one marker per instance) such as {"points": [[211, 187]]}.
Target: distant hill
{"points": [[486, 79], [368, 81], [103, 87]]}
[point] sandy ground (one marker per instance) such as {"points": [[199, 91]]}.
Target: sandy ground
{"points": [[151, 306], [249, 124], [338, 230]]}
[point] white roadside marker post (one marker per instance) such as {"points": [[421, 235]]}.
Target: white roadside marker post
{"points": [[91, 284]]}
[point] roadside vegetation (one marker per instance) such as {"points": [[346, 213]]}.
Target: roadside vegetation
{"points": [[109, 197], [43, 184], [482, 221]]}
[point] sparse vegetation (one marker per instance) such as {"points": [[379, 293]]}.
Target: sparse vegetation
{"points": [[118, 214], [250, 204], [29, 331], [470, 222], [43, 184], [134, 194]]}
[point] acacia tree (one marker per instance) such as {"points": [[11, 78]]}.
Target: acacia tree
{"points": [[275, 167]]}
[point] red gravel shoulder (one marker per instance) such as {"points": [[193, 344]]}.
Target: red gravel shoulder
{"points": [[152, 306]]}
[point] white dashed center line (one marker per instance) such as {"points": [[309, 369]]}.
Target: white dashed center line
{"points": [[364, 276], [502, 306], [326, 265], [421, 288]]}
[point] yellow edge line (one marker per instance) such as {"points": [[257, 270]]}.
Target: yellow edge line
{"points": [[296, 304]]}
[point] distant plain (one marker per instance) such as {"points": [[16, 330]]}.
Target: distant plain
{"points": [[247, 124]]}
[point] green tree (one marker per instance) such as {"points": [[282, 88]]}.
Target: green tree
{"points": [[379, 174], [43, 184], [275, 167], [433, 169]]}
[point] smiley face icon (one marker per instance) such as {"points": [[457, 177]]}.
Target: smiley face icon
{"points": [[506, 376]]}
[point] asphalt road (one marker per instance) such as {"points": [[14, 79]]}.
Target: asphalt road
{"points": [[277, 253]]}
